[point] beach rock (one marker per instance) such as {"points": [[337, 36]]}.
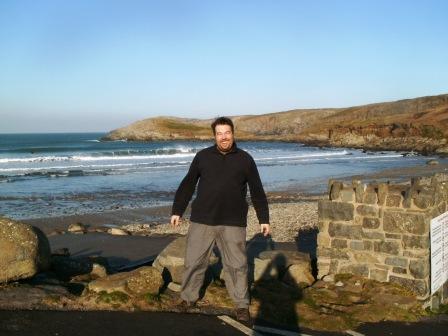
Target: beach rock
{"points": [[432, 162], [24, 250], [299, 274], [175, 287], [284, 258], [328, 278], [66, 267], [264, 269], [117, 232], [98, 271], [171, 260], [143, 280], [77, 228]]}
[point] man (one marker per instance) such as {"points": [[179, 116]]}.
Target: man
{"points": [[219, 214]]}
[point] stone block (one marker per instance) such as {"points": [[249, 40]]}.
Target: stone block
{"points": [[359, 192], [399, 270], [362, 270], [334, 266], [335, 190], [419, 268], [393, 236], [419, 287], [367, 210], [378, 275], [370, 197], [442, 207], [335, 210], [331, 253], [404, 222], [396, 261], [339, 243], [424, 200], [347, 195], [393, 200], [417, 242], [368, 245], [323, 239], [383, 189], [408, 195], [373, 235], [370, 223], [388, 247], [420, 253], [357, 245], [382, 266], [365, 257], [342, 230], [322, 225]]}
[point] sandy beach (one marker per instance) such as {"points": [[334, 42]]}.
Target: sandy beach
{"points": [[291, 210]]}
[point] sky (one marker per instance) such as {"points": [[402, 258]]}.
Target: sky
{"points": [[96, 65]]}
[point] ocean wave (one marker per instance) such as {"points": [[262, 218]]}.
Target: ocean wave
{"points": [[112, 155], [307, 155]]}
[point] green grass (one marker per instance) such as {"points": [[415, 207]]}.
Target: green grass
{"points": [[180, 126]]}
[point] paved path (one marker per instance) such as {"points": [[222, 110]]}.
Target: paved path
{"points": [[97, 323]]}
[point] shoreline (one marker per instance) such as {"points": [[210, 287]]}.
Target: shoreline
{"points": [[292, 210]]}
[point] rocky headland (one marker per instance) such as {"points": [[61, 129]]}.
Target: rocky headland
{"points": [[419, 124]]}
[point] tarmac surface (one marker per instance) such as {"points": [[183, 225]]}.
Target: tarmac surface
{"points": [[94, 323]]}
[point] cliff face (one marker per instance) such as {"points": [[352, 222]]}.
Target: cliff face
{"points": [[419, 124]]}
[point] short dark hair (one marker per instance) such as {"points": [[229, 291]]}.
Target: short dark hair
{"points": [[222, 121]]}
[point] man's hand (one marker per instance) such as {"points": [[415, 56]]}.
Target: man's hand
{"points": [[265, 229], [175, 220]]}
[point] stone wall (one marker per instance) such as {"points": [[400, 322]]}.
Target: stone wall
{"points": [[381, 230]]}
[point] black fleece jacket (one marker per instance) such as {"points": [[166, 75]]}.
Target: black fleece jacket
{"points": [[222, 188]]}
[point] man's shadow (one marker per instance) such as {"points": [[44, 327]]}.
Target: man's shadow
{"points": [[276, 299]]}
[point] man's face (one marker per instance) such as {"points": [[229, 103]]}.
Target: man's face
{"points": [[224, 137]]}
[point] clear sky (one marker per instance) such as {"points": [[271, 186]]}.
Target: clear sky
{"points": [[94, 65]]}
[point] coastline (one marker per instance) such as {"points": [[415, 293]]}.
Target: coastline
{"points": [[291, 210]]}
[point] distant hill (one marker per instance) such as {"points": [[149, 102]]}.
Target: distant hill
{"points": [[419, 124]]}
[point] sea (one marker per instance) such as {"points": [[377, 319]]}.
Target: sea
{"points": [[58, 174]]}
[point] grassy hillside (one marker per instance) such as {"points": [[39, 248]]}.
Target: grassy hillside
{"points": [[419, 124]]}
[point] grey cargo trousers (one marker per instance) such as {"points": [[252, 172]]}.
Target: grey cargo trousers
{"points": [[231, 241]]}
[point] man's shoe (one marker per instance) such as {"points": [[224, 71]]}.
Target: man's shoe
{"points": [[242, 314]]}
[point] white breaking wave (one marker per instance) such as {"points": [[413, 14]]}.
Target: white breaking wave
{"points": [[94, 158], [304, 156], [370, 157]]}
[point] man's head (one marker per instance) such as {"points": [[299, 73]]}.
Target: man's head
{"points": [[223, 130]]}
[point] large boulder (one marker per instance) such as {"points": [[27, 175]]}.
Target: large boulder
{"points": [[171, 260], [143, 280], [293, 267], [24, 250], [300, 275]]}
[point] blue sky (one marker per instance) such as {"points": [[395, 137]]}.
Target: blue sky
{"points": [[91, 65]]}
